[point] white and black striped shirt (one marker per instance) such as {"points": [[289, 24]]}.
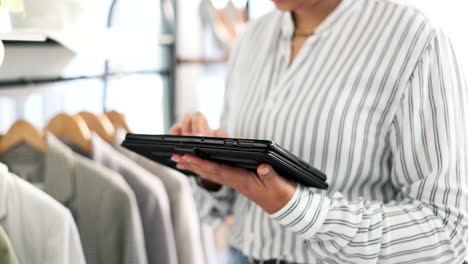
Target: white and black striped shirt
{"points": [[377, 101]]}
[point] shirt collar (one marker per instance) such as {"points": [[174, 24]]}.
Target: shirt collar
{"points": [[102, 149], [119, 136], [59, 170], [99, 148], [58, 174], [343, 8]]}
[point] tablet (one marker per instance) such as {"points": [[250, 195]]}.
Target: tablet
{"points": [[243, 153]]}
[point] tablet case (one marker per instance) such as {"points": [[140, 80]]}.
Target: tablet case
{"points": [[244, 153]]}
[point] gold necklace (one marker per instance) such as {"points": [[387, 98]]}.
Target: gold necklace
{"points": [[302, 34]]}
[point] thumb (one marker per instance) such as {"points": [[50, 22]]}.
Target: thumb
{"points": [[267, 174]]}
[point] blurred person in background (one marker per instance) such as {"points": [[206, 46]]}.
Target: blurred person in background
{"points": [[225, 20]]}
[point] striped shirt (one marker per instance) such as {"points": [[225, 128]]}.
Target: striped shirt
{"points": [[377, 101]]}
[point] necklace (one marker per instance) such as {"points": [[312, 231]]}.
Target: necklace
{"points": [[303, 34]]}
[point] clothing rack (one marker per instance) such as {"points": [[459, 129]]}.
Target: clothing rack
{"points": [[167, 42]]}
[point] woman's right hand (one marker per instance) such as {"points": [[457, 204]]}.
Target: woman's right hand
{"points": [[196, 125]]}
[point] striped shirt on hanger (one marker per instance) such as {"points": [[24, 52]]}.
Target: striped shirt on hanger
{"points": [[376, 100]]}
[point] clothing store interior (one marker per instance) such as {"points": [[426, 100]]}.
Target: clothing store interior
{"points": [[233, 131]]}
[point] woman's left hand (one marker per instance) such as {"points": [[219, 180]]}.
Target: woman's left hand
{"points": [[266, 188]]}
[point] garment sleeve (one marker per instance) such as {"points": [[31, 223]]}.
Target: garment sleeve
{"points": [[133, 235], [427, 220], [64, 245], [121, 232], [213, 207]]}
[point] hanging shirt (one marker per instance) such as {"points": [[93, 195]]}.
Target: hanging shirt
{"points": [[377, 101], [152, 199], [39, 229], [7, 253], [184, 213], [101, 202]]}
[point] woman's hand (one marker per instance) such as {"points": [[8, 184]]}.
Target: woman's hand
{"points": [[266, 188], [196, 125]]}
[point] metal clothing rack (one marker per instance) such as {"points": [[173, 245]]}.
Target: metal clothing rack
{"points": [[168, 73]]}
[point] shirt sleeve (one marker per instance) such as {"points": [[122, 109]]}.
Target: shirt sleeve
{"points": [[64, 245], [120, 226], [427, 220], [213, 207]]}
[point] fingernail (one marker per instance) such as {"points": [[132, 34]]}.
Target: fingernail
{"points": [[265, 170], [176, 159]]}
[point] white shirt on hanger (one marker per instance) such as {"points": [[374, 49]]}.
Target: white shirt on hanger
{"points": [[40, 229]]}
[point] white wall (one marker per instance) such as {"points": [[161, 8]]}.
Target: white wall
{"points": [[258, 8]]}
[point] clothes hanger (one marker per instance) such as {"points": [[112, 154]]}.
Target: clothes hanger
{"points": [[118, 120], [99, 124], [23, 131], [72, 128]]}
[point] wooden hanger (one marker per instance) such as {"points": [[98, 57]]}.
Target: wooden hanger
{"points": [[99, 124], [23, 132], [72, 128], [118, 120]]}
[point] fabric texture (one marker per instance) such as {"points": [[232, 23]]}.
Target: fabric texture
{"points": [[40, 229], [7, 253], [184, 213], [376, 100], [101, 202], [151, 197]]}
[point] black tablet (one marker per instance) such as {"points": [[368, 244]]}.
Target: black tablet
{"points": [[244, 153]]}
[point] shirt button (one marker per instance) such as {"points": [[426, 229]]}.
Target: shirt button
{"points": [[252, 236]]}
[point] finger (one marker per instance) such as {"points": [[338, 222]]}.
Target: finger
{"points": [[183, 165], [219, 173], [186, 166], [205, 165], [220, 133], [176, 130], [176, 157], [207, 176], [187, 125], [200, 125], [268, 175]]}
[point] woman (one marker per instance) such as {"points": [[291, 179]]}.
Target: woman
{"points": [[367, 91]]}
